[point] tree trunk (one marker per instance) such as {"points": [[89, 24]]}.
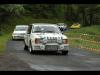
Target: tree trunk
{"points": [[84, 17], [85, 22], [91, 19]]}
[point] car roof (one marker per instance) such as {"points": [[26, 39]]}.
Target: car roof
{"points": [[44, 24], [21, 25]]}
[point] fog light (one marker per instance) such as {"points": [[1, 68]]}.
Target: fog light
{"points": [[59, 41], [44, 41], [42, 47], [61, 47]]}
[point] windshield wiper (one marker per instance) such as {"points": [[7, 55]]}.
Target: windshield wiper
{"points": [[50, 31]]}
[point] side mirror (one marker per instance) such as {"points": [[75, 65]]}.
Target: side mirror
{"points": [[28, 32]]}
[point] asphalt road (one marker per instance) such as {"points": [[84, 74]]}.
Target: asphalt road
{"points": [[76, 60]]}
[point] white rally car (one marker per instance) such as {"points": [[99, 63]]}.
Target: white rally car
{"points": [[45, 37], [19, 31]]}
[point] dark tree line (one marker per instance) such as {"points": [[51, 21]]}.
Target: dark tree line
{"points": [[86, 14]]}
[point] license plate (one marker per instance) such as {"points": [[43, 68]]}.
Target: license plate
{"points": [[51, 47]]}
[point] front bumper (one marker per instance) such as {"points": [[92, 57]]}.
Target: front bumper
{"points": [[51, 47]]}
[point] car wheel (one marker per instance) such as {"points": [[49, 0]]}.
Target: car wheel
{"points": [[25, 46], [30, 49], [64, 52]]}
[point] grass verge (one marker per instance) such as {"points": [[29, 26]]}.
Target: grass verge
{"points": [[92, 30], [86, 37], [3, 41]]}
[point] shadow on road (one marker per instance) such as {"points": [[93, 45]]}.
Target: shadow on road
{"points": [[45, 53]]}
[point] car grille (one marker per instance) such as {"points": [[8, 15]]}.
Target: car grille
{"points": [[52, 40], [51, 47]]}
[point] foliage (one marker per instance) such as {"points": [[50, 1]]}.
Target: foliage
{"points": [[3, 40], [86, 14], [86, 37]]}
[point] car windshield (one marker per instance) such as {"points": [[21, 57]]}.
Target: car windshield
{"points": [[46, 29], [21, 28]]}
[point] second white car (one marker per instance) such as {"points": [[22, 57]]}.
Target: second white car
{"points": [[19, 32]]}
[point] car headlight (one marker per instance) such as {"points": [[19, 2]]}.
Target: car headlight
{"points": [[37, 41], [65, 41], [40, 40]]}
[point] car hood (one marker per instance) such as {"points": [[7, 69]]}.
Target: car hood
{"points": [[49, 35]]}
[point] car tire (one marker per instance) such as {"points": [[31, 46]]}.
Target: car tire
{"points": [[64, 52], [30, 48], [25, 46]]}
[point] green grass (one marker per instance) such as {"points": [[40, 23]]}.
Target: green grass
{"points": [[93, 35], [3, 41], [92, 30], [82, 36], [88, 45]]}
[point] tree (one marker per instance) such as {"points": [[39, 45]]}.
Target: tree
{"points": [[7, 10]]}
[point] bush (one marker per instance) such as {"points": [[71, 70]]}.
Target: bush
{"points": [[1, 33]]}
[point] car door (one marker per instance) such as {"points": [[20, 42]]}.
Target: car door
{"points": [[27, 36]]}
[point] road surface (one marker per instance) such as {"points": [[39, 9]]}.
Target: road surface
{"points": [[76, 60]]}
